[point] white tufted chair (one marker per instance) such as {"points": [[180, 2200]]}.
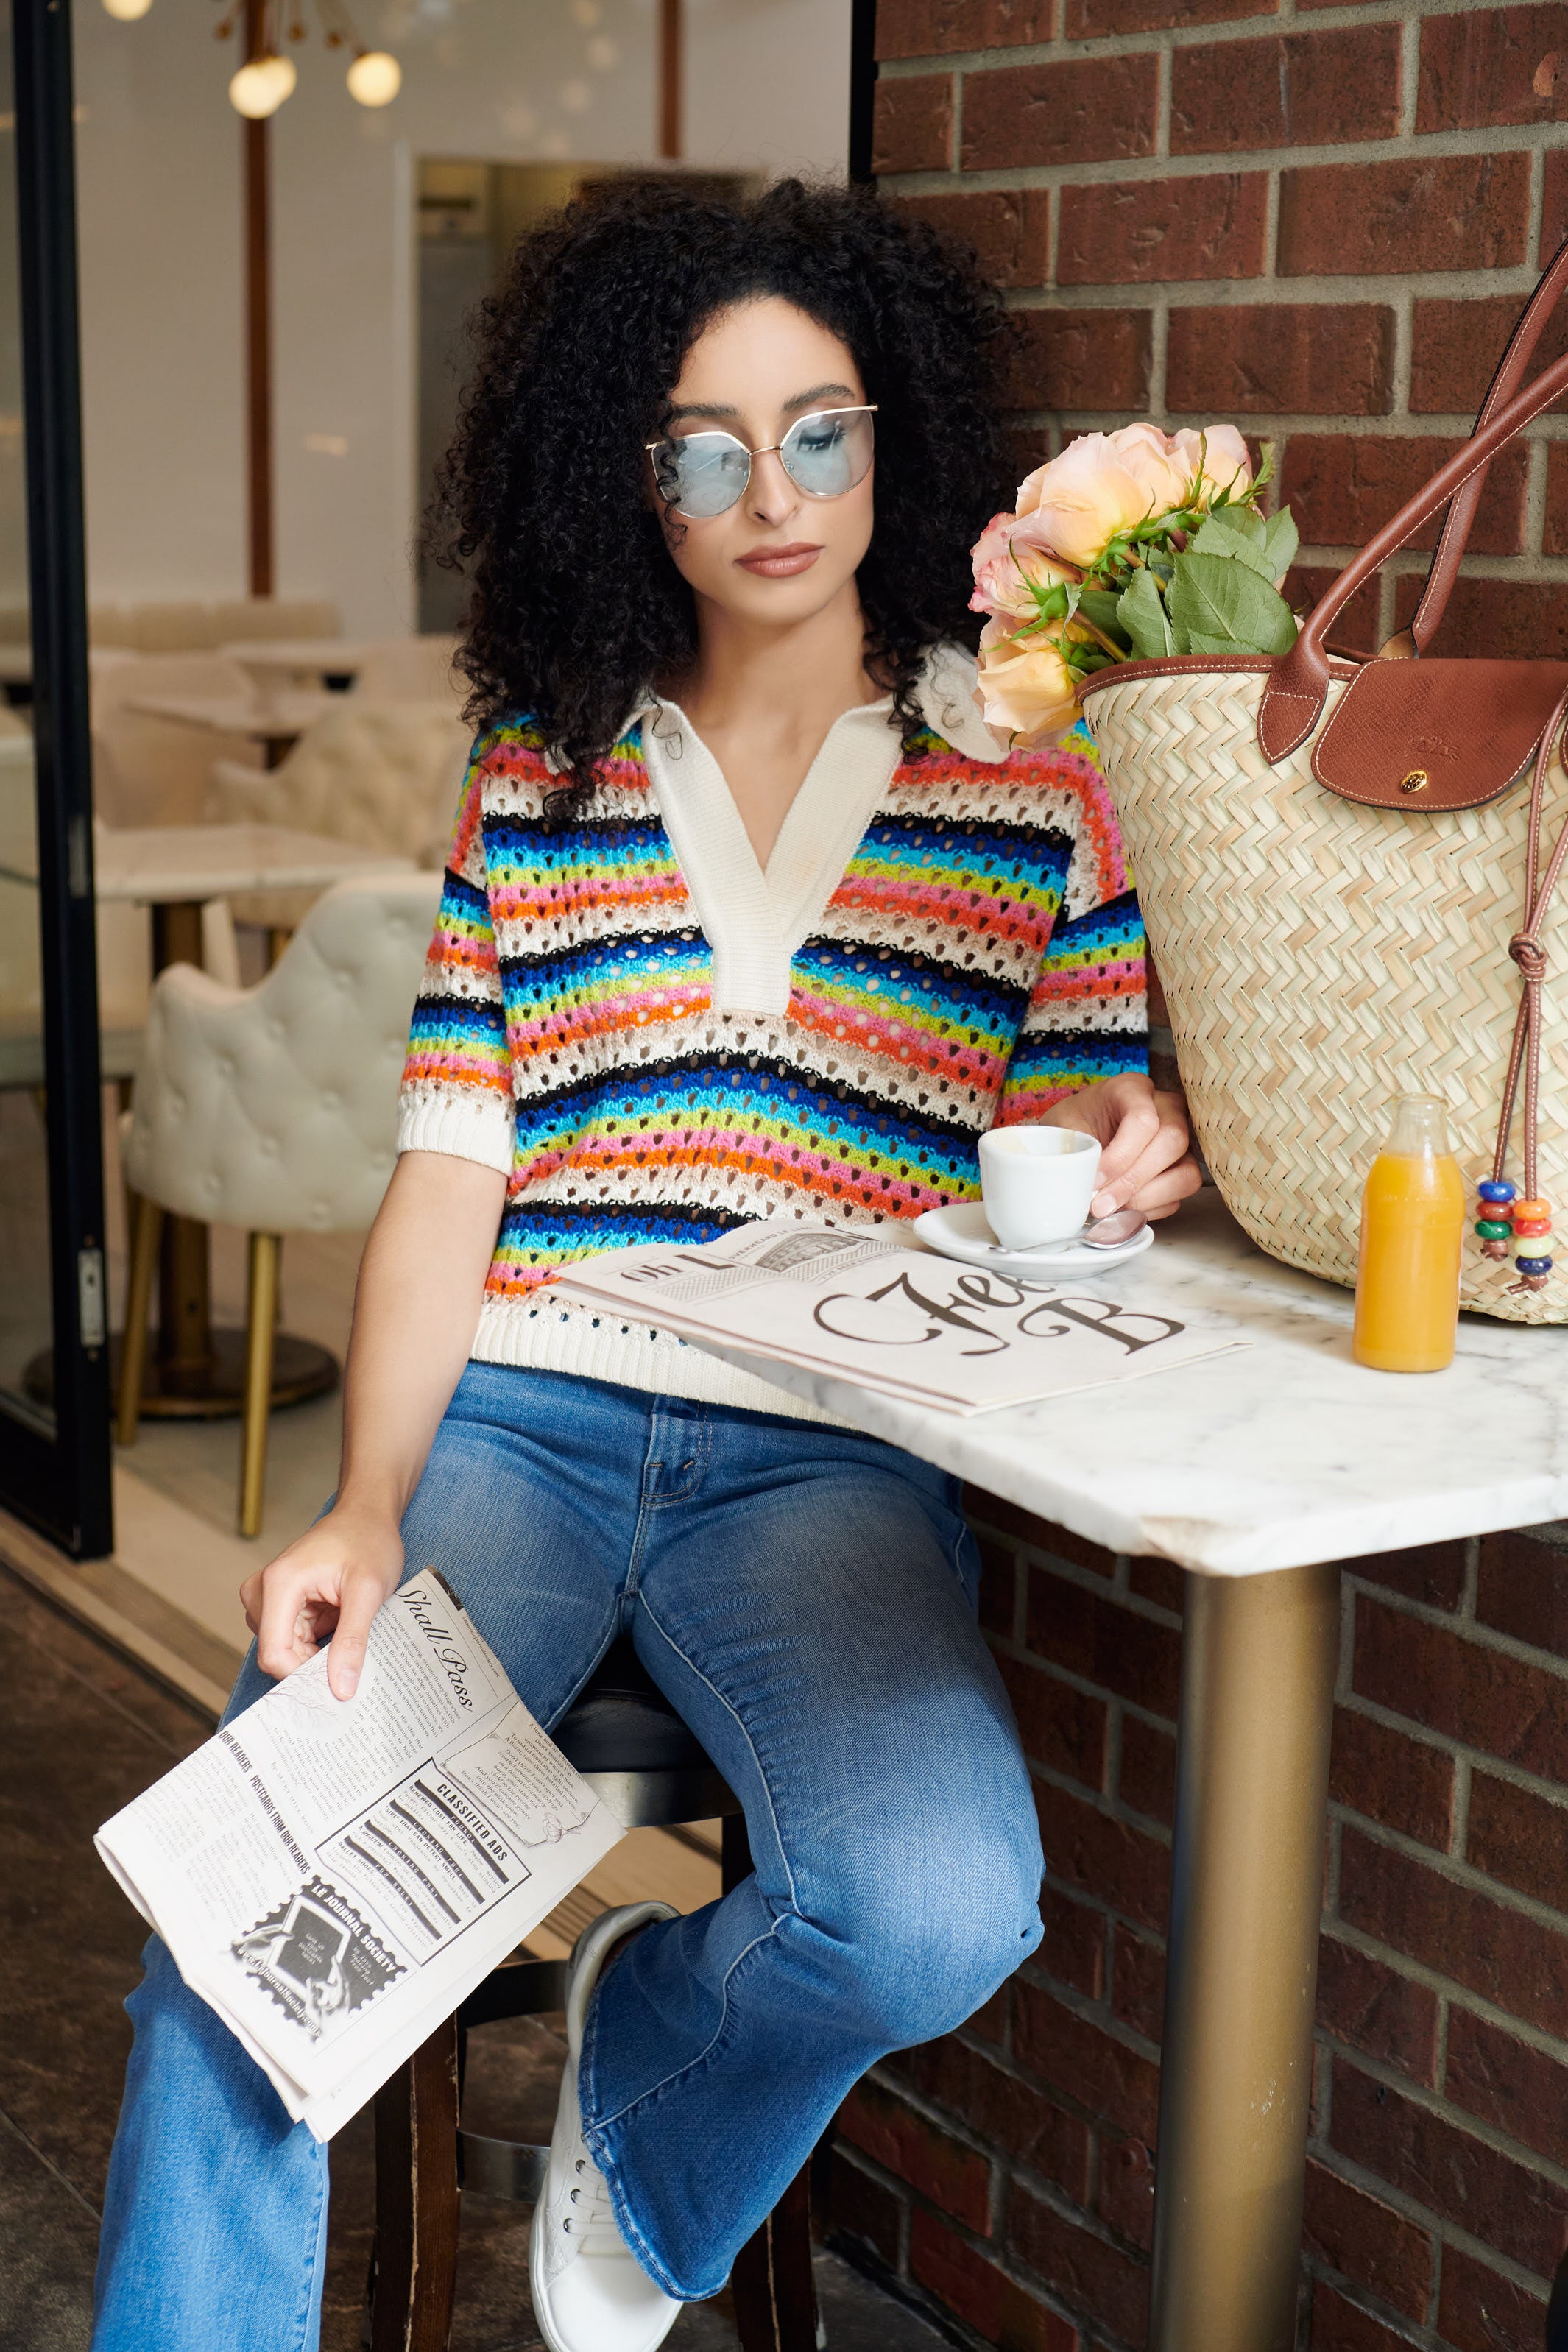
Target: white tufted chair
{"points": [[384, 775], [274, 1108]]}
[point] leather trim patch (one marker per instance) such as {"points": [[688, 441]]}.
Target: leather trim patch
{"points": [[1195, 666], [1425, 736]]}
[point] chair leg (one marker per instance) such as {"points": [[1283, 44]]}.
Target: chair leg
{"points": [[146, 1225], [413, 2263], [261, 1323]]}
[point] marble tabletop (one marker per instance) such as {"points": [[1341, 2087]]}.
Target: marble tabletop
{"points": [[1272, 1456], [173, 864]]}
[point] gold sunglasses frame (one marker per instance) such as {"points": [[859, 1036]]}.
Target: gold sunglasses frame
{"points": [[772, 449]]}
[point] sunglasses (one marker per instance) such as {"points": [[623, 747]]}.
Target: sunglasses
{"points": [[705, 474]]}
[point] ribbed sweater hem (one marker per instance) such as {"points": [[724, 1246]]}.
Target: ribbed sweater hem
{"points": [[552, 1333]]}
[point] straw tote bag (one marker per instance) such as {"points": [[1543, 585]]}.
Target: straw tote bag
{"points": [[1347, 870]]}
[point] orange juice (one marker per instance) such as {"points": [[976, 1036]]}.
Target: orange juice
{"points": [[1412, 1230]]}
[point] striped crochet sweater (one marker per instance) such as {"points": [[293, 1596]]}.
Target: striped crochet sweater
{"points": [[652, 1037]]}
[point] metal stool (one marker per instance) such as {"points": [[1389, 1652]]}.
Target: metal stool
{"points": [[632, 1748]]}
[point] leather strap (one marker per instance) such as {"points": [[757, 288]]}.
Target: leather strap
{"points": [[1292, 701], [1461, 515], [1530, 954]]}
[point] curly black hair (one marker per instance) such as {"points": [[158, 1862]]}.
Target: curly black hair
{"points": [[574, 603]]}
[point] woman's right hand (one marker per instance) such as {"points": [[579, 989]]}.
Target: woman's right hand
{"points": [[327, 1586]]}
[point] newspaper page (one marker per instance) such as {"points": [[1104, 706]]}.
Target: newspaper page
{"points": [[899, 1319], [335, 1876]]}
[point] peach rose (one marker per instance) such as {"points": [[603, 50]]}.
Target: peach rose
{"points": [[1027, 688], [1010, 555], [1101, 484], [1225, 464]]}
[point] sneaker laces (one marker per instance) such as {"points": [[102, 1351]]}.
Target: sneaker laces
{"points": [[590, 2219]]}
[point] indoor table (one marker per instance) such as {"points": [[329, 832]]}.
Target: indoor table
{"points": [[1257, 1471], [197, 1372], [275, 721], [330, 662]]}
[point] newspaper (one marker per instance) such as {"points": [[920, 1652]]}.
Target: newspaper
{"points": [[335, 1876], [902, 1320]]}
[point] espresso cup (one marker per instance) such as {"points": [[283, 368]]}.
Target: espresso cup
{"points": [[1036, 1182]]}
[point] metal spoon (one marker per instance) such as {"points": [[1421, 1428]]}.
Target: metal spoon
{"points": [[1110, 1233]]}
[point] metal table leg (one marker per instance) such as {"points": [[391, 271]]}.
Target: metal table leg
{"points": [[1257, 1679]]}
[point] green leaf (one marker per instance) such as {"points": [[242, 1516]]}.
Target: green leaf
{"points": [[1098, 605], [1230, 605], [1282, 540], [1228, 525], [1141, 617]]}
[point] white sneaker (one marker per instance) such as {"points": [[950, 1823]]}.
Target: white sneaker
{"points": [[589, 2292]]}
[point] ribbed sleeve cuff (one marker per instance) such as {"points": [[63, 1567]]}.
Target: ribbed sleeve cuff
{"points": [[480, 1127]]}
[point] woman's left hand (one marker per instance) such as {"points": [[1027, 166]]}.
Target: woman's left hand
{"points": [[1144, 1162]]}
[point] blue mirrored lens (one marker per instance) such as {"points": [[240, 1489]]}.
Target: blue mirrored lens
{"points": [[827, 453], [701, 474]]}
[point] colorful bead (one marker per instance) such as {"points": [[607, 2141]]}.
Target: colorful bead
{"points": [[1496, 1188], [1534, 1264], [1495, 1250], [1531, 1209], [1493, 1229], [1529, 1229]]}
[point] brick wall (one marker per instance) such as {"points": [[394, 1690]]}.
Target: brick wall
{"points": [[1006, 2174], [1317, 222]]}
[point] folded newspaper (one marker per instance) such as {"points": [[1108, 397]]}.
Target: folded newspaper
{"points": [[902, 1321], [335, 1876]]}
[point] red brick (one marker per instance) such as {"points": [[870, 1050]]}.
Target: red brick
{"points": [[1527, 622], [990, 2021], [1430, 2159], [1084, 2270], [1480, 68], [1160, 1580], [1481, 2312], [999, 2108], [1061, 1727], [1517, 2089], [913, 127], [1090, 1850], [1516, 1836], [866, 2208], [1073, 1946], [1085, 2061], [1341, 2326], [1355, 628], [994, 1510], [1555, 205], [1343, 489], [1010, 229], [1522, 1586], [1091, 110], [1482, 1695], [1134, 232], [1307, 89], [1451, 212], [953, 2176], [998, 1588], [1092, 1634], [1370, 2005], [1305, 359], [1554, 542], [1398, 1781], [1137, 1984], [1126, 2200], [1001, 2310], [929, 28], [1085, 18], [1368, 2242], [1148, 1781], [1510, 1960], [1455, 346], [1074, 359], [1433, 1573]]}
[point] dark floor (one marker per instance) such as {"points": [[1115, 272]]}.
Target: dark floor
{"points": [[83, 1732]]}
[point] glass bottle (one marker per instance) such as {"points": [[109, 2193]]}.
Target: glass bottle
{"points": [[1412, 1231]]}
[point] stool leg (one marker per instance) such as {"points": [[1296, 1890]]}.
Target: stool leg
{"points": [[775, 2293], [147, 1224], [414, 2266], [261, 1318]]}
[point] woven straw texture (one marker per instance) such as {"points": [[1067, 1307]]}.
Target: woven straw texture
{"points": [[1319, 958]]}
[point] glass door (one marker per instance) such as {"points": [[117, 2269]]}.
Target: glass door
{"points": [[54, 1352]]}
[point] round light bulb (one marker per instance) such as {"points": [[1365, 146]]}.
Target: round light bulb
{"points": [[374, 78], [260, 89], [126, 10]]}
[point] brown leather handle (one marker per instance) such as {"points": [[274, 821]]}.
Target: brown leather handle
{"points": [[1506, 380], [1293, 698]]}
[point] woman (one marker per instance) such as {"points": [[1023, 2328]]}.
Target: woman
{"points": [[745, 916]]}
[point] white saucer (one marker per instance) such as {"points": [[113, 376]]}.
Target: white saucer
{"points": [[960, 1231]]}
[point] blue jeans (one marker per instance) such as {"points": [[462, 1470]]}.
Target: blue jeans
{"points": [[805, 1597]]}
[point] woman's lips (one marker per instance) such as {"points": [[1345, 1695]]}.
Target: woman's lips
{"points": [[781, 563]]}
